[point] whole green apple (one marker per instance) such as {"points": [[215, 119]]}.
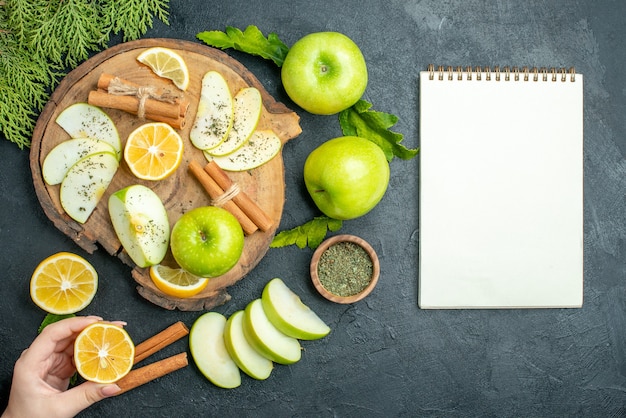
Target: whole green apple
{"points": [[324, 73], [346, 176], [207, 241]]}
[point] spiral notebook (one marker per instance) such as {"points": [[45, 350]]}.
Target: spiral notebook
{"points": [[501, 188]]}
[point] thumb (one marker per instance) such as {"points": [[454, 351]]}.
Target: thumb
{"points": [[84, 395]]}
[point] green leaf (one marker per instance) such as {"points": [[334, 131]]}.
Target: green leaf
{"points": [[311, 233], [359, 120], [51, 319], [250, 41]]}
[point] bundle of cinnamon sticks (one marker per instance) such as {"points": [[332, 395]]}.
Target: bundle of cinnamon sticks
{"points": [[160, 106], [145, 374], [216, 182]]}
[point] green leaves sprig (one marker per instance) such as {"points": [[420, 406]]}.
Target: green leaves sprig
{"points": [[250, 41], [359, 120], [310, 234], [39, 39]]}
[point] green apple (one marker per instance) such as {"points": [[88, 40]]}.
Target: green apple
{"points": [[247, 108], [245, 356], [63, 156], [82, 120], [206, 343], [214, 118], [141, 224], [289, 315], [346, 176], [262, 146], [85, 182], [324, 73], [207, 241], [266, 339]]}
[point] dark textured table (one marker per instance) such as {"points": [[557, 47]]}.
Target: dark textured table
{"points": [[385, 356]]}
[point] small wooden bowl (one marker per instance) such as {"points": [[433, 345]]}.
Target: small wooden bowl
{"points": [[316, 258]]}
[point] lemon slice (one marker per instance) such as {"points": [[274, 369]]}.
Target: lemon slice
{"points": [[103, 353], [153, 151], [167, 64], [63, 283], [177, 282]]}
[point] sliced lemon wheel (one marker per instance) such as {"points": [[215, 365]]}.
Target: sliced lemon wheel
{"points": [[177, 282], [63, 283], [167, 64], [153, 151], [103, 353]]}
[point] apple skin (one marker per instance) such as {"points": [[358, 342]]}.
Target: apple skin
{"points": [[266, 339], [208, 350], [289, 315], [207, 241], [250, 361], [141, 224], [346, 176], [324, 73]]}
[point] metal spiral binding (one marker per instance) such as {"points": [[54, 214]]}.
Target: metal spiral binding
{"points": [[506, 73]]}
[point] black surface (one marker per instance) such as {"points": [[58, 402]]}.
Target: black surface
{"points": [[385, 357]]}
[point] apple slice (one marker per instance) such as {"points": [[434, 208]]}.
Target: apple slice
{"points": [[206, 343], [247, 112], [289, 315], [214, 118], [63, 156], [262, 146], [82, 120], [141, 224], [85, 183], [266, 339], [243, 354]]}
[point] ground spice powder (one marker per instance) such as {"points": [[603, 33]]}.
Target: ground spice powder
{"points": [[345, 269]]}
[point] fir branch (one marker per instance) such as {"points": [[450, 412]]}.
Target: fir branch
{"points": [[134, 17], [39, 38], [77, 26]]}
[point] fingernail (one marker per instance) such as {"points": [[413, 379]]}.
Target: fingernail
{"points": [[110, 390]]}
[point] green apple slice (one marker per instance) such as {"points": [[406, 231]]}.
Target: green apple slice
{"points": [[262, 146], [244, 355], [247, 112], [141, 224], [206, 343], [63, 156], [289, 315], [214, 118], [266, 339], [82, 120], [85, 183]]}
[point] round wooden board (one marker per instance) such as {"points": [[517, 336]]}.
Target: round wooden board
{"points": [[179, 192]]}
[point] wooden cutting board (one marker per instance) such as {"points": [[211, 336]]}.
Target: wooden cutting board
{"points": [[179, 192]]}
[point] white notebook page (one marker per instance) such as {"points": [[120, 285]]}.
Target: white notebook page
{"points": [[501, 192]]}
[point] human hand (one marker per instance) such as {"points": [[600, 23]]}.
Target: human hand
{"points": [[42, 373]]}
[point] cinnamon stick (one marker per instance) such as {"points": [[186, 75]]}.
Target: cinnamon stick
{"points": [[104, 82], [215, 192], [164, 338], [130, 104], [247, 205], [145, 374]]}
